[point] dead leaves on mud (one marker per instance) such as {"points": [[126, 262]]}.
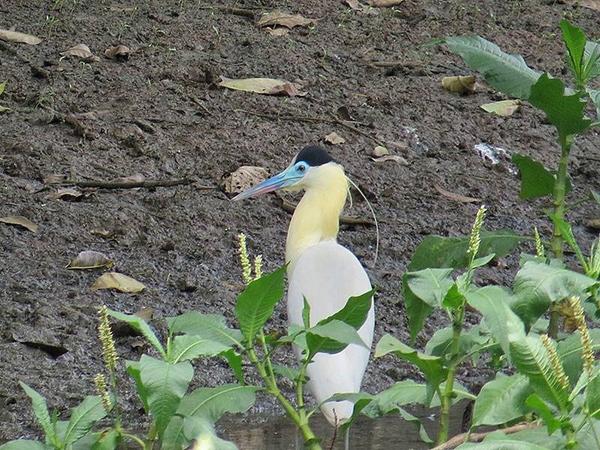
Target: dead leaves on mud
{"points": [[118, 282], [21, 38], [20, 221], [90, 259], [283, 19], [266, 86], [243, 178]]}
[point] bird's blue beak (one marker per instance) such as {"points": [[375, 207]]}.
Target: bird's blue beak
{"points": [[284, 179]]}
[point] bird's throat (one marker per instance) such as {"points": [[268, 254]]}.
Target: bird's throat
{"points": [[317, 216]]}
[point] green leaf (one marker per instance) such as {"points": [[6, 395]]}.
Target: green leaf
{"points": [[291, 373], [437, 251], [255, 305], [493, 303], [430, 285], [565, 112], [591, 57], [432, 366], [483, 261], [40, 409], [24, 444], [538, 285], [587, 436], [575, 41], [595, 97], [2, 87], [140, 325], [108, 440], [537, 404], [133, 369], [416, 309], [501, 400], [454, 298], [570, 352], [504, 444], [533, 360], [166, 384], [536, 180], [83, 418], [306, 314], [331, 337], [596, 195], [234, 360], [355, 312], [567, 234], [408, 417], [470, 341], [203, 432], [506, 73], [188, 347], [208, 326], [592, 399]]}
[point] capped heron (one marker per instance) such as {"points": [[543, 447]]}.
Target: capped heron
{"points": [[322, 271]]}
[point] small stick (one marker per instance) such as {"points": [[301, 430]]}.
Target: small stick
{"points": [[288, 206], [129, 184], [478, 437], [244, 12]]}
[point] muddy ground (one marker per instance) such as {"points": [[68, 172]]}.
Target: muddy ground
{"points": [[160, 114]]}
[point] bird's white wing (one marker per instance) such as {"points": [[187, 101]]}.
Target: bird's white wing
{"points": [[327, 274]]}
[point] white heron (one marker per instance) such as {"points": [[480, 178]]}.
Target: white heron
{"points": [[322, 271]]}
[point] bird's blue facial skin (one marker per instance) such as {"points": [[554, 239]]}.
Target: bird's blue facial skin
{"points": [[289, 177]]}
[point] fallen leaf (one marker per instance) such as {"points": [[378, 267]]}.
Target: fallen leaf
{"points": [[243, 178], [379, 151], [15, 36], [4, 109], [277, 31], [119, 282], [334, 138], [503, 108], [355, 5], [591, 4], [459, 84], [137, 178], [456, 197], [283, 19], [268, 86], [2, 87], [20, 221], [54, 178], [395, 158], [67, 194], [90, 259], [81, 51], [117, 52], [103, 233], [593, 223], [384, 3], [123, 329]]}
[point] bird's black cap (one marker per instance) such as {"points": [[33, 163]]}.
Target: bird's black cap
{"points": [[314, 156]]}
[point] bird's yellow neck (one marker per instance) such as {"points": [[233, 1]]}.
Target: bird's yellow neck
{"points": [[317, 216]]}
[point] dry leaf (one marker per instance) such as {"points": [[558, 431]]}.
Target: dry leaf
{"points": [[90, 260], [54, 179], [379, 151], [460, 85], [279, 18], [395, 158], [503, 108], [277, 31], [20, 221], [591, 4], [334, 138], [593, 223], [67, 194], [102, 232], [243, 178], [15, 36], [81, 51], [355, 5], [456, 197], [119, 282], [384, 3], [118, 52], [137, 178], [268, 86]]}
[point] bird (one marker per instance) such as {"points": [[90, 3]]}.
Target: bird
{"points": [[322, 271]]}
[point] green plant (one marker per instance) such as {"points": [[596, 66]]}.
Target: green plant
{"points": [[2, 88], [564, 108]]}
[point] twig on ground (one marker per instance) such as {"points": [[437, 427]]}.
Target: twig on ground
{"points": [[130, 184], [478, 437]]}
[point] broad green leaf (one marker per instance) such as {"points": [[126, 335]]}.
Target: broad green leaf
{"points": [[83, 418], [437, 251], [539, 436], [107, 440], [255, 305], [575, 41], [187, 347], [453, 298], [291, 373], [331, 337], [591, 57], [355, 312], [587, 437], [570, 352], [565, 112], [501, 400], [504, 444], [470, 340], [166, 384], [209, 326], [430, 285], [483, 261], [493, 303], [140, 325], [592, 400], [539, 406], [203, 433], [416, 309], [595, 96], [24, 444], [234, 360], [506, 73], [538, 285], [533, 360], [567, 234], [306, 314], [40, 409], [432, 366], [133, 369], [536, 180]]}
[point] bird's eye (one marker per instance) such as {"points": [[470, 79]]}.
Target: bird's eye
{"points": [[301, 168]]}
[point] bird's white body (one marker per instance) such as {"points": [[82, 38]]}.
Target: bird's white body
{"points": [[327, 274]]}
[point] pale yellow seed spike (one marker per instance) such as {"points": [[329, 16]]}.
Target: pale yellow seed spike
{"points": [[586, 340], [555, 362], [258, 267], [475, 238], [101, 388], [539, 246], [109, 353], [244, 259]]}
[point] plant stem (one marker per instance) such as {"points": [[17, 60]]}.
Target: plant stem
{"points": [[136, 439], [560, 189]]}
